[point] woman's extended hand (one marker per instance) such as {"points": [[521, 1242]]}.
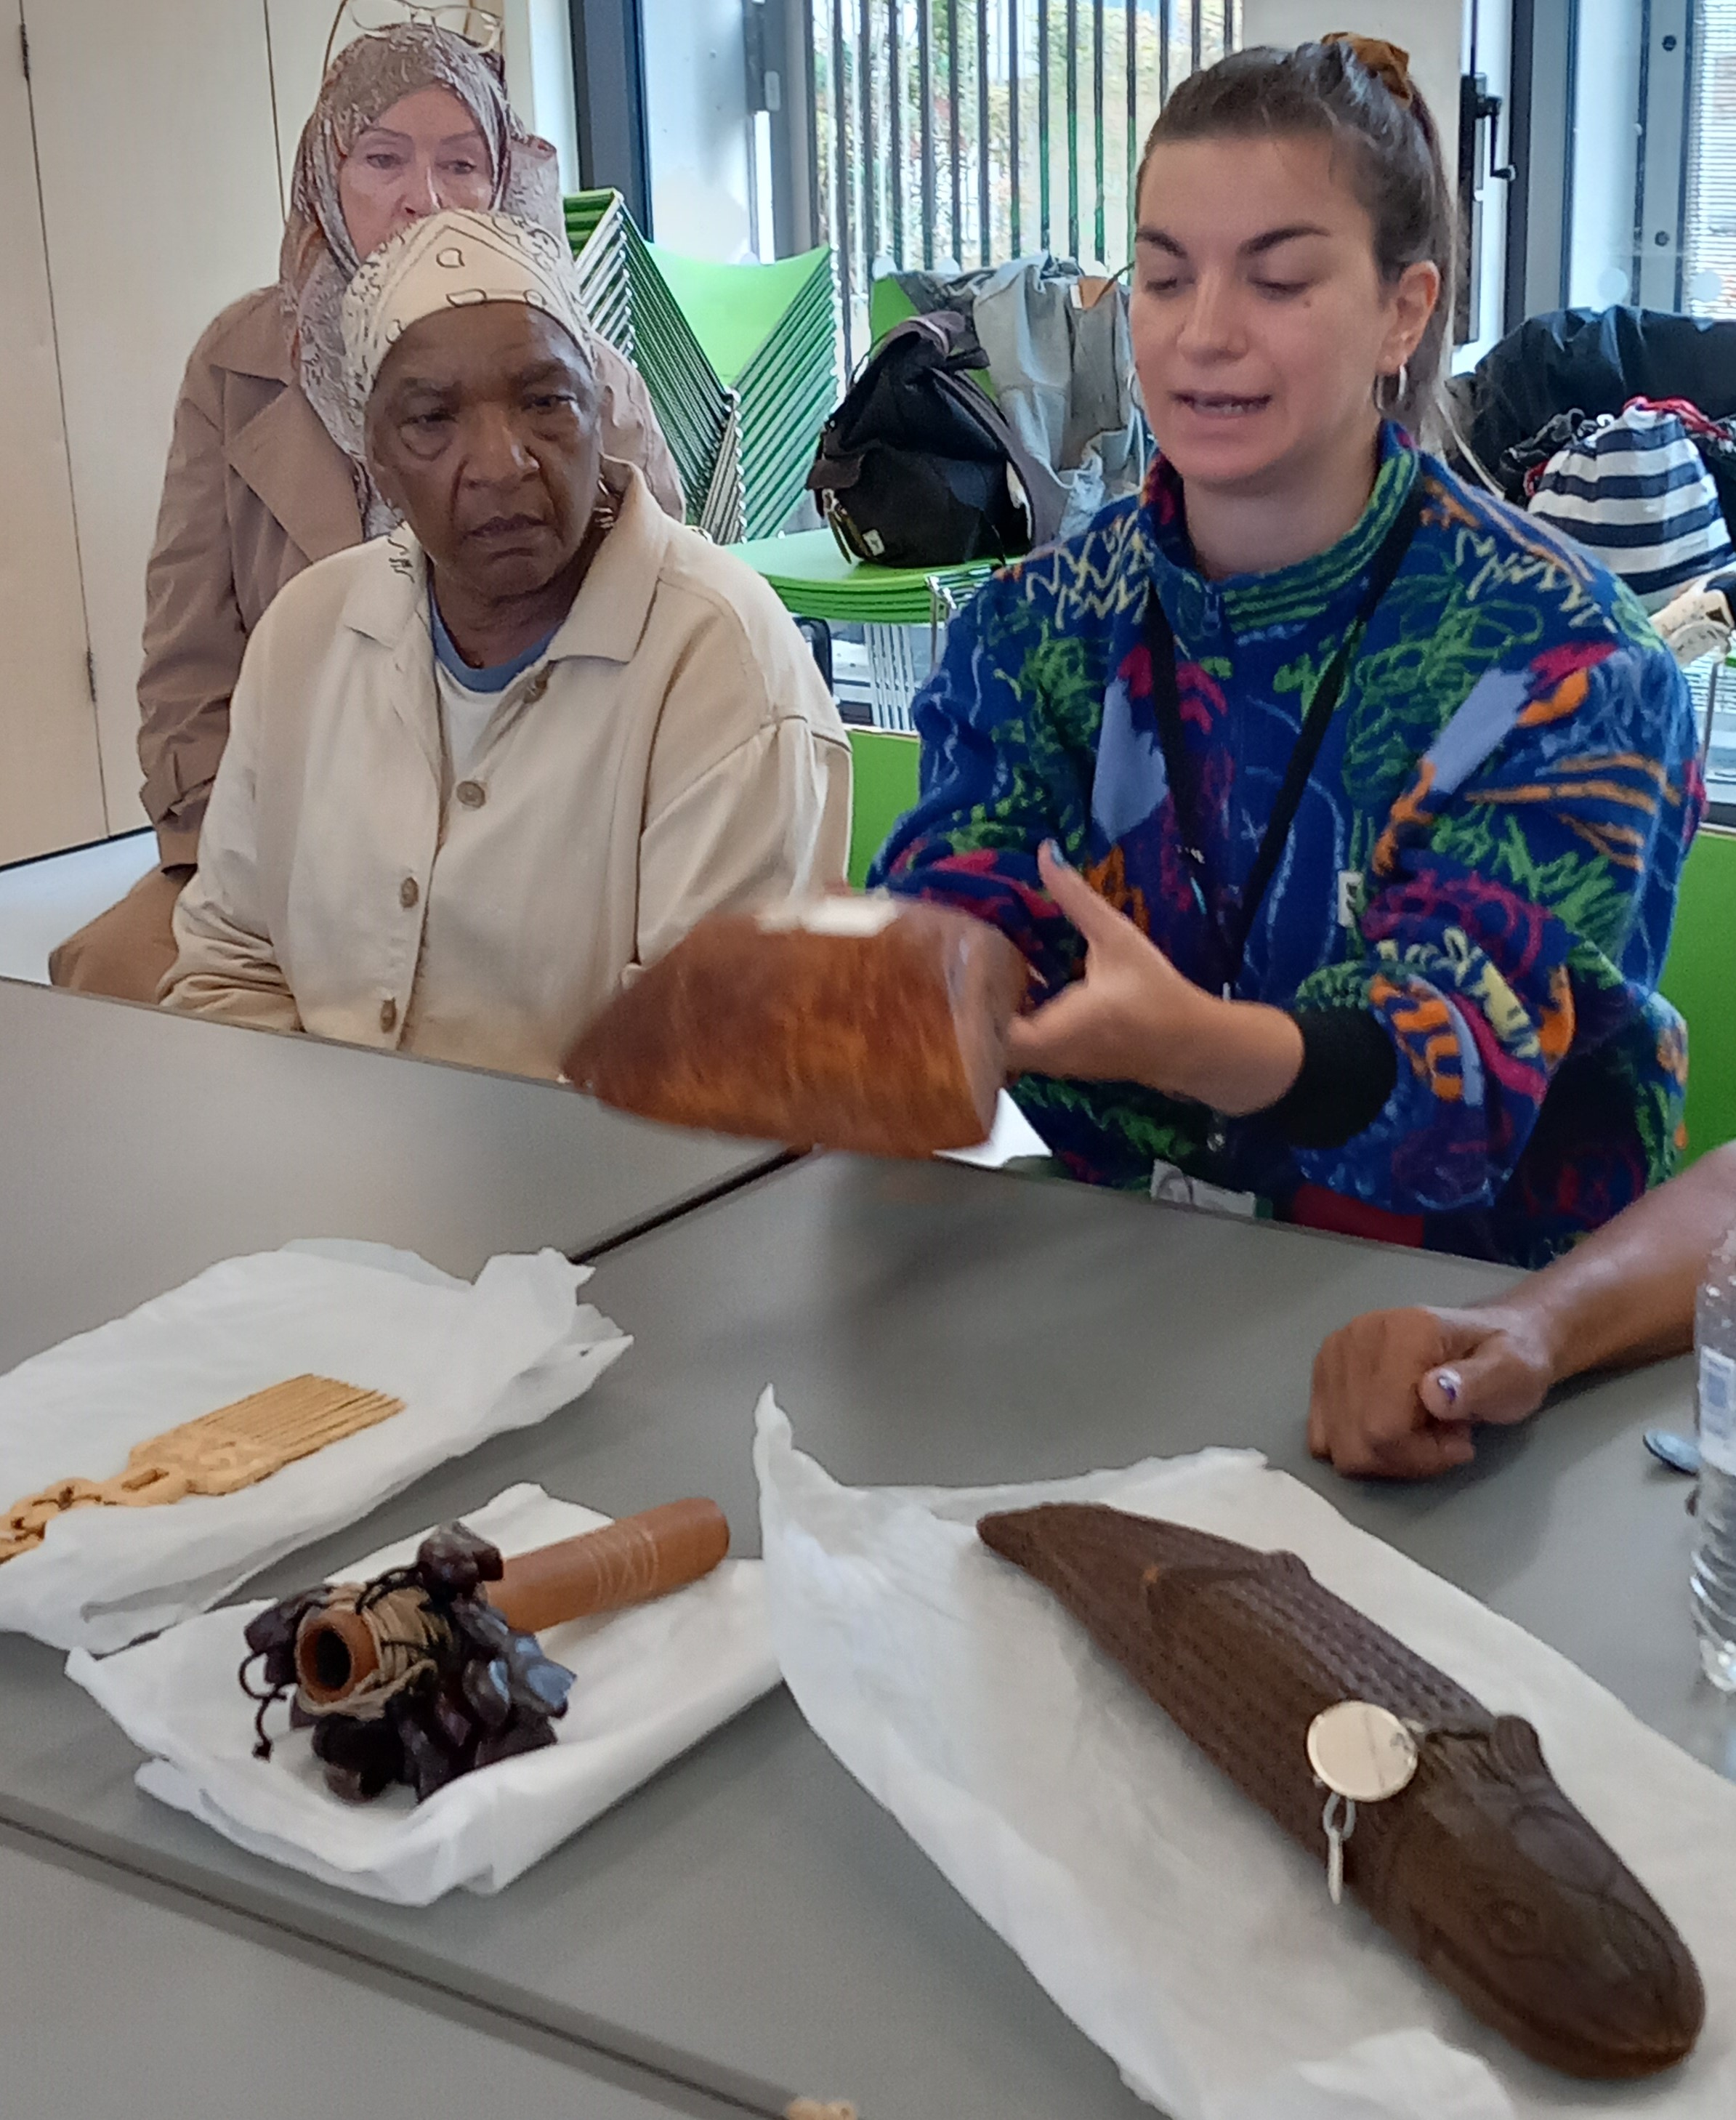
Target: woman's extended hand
{"points": [[1396, 1393], [1134, 1018]]}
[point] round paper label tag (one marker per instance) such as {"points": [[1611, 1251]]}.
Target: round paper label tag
{"points": [[1362, 1751]]}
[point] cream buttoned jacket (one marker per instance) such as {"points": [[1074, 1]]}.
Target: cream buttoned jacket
{"points": [[255, 491], [673, 753]]}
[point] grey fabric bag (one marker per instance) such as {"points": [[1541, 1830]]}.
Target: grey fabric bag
{"points": [[1062, 374]]}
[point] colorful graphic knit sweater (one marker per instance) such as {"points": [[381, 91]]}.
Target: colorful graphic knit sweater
{"points": [[1483, 864]]}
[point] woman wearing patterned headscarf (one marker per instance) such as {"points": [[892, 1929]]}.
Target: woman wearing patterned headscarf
{"points": [[266, 471]]}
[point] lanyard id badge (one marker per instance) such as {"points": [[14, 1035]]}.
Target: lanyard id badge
{"points": [[1230, 935]]}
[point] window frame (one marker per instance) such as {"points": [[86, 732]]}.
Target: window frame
{"points": [[609, 102], [1545, 65], [1660, 192]]}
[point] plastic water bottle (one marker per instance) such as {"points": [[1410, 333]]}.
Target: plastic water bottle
{"points": [[1713, 1582]]}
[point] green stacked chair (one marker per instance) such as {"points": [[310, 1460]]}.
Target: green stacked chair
{"points": [[635, 312], [740, 360], [817, 580], [769, 334], [597, 227], [903, 611]]}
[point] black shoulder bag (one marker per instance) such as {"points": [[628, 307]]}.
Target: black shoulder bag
{"points": [[920, 468]]}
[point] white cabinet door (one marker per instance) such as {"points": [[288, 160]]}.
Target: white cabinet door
{"points": [[158, 158], [50, 785]]}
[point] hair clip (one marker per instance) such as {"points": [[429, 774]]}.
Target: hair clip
{"points": [[1389, 64]]}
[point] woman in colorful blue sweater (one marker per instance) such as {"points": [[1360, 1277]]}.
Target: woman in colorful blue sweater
{"points": [[1339, 809]]}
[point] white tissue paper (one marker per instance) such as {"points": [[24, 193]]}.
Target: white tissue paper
{"points": [[650, 1682], [468, 1360], [1012, 1135], [1169, 1917]]}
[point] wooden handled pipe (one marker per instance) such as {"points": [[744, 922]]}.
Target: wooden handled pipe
{"points": [[628, 1562]]}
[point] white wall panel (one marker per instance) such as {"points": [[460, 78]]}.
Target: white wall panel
{"points": [[697, 126], [1606, 144], [50, 788], [538, 50], [298, 30], [1432, 31], [159, 171]]}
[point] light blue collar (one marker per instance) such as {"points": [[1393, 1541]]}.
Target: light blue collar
{"points": [[498, 676]]}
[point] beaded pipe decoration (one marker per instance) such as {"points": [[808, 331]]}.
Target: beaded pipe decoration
{"points": [[429, 1672], [1441, 1819]]}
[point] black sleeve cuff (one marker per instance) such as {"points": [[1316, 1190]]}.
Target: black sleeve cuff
{"points": [[1349, 1068]]}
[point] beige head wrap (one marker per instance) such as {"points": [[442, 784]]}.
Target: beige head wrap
{"points": [[318, 261], [454, 261]]}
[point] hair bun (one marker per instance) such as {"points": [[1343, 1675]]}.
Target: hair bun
{"points": [[1389, 64]]}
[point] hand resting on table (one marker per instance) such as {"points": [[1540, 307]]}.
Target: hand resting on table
{"points": [[1397, 1394]]}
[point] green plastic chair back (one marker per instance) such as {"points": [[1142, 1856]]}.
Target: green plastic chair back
{"points": [[734, 310], [884, 787], [1700, 978], [696, 332], [888, 305]]}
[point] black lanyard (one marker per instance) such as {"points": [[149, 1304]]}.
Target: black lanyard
{"points": [[1231, 936]]}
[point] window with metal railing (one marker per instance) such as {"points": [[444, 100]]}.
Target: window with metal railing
{"points": [[1706, 287], [955, 133]]}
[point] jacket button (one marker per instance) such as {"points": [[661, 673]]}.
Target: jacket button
{"points": [[537, 686], [388, 1015], [409, 891], [472, 793]]}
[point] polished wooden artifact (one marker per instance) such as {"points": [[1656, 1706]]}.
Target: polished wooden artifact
{"points": [[1441, 1818], [874, 1023]]}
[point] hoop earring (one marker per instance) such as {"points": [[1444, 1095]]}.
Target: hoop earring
{"points": [[1391, 390]]}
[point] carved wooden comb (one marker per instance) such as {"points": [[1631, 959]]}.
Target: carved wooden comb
{"points": [[219, 1452]]}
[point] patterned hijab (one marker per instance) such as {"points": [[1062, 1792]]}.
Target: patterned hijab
{"points": [[318, 260]]}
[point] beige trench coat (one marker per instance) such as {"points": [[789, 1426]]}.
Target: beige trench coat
{"points": [[673, 753], [255, 491]]}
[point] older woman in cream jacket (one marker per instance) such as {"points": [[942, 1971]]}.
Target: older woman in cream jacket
{"points": [[265, 472], [480, 770]]}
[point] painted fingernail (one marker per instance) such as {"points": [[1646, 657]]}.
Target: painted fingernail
{"points": [[1447, 1383]]}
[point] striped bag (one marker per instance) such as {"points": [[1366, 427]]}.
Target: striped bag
{"points": [[1634, 492]]}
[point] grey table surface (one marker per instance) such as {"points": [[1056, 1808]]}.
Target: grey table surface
{"points": [[750, 1921], [137, 1148], [116, 2004]]}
